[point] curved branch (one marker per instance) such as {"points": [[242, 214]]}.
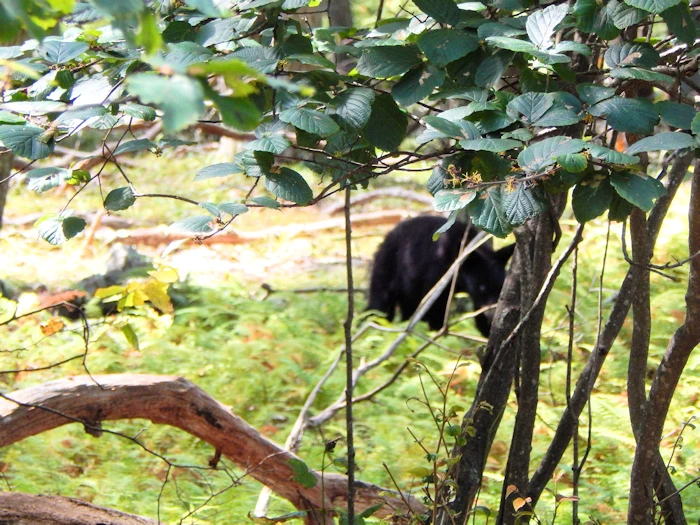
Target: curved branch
{"points": [[16, 507], [177, 402]]}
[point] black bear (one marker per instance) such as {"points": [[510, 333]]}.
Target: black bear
{"points": [[409, 263]]}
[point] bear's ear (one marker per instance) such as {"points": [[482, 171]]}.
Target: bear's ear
{"points": [[504, 253]]}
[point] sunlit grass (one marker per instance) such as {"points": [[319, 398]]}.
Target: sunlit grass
{"points": [[262, 355]]}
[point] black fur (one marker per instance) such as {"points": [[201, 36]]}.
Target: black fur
{"points": [[409, 263]]}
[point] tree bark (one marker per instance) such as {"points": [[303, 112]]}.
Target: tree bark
{"points": [[584, 385], [684, 340], [5, 170], [500, 362], [26, 509], [179, 403]]}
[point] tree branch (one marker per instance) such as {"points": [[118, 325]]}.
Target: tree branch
{"points": [[179, 403]]}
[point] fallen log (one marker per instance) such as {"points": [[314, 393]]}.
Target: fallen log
{"points": [[177, 402], [26, 509]]}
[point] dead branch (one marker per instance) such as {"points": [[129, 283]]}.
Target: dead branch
{"points": [[26, 509], [177, 402], [157, 236]]}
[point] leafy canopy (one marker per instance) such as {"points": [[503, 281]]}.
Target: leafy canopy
{"points": [[509, 103]]}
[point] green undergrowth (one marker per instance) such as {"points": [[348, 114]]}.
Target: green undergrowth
{"points": [[262, 355]]}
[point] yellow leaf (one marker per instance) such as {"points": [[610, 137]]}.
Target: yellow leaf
{"points": [[54, 326], [158, 294], [166, 274], [519, 503], [110, 291], [511, 489], [140, 297]]}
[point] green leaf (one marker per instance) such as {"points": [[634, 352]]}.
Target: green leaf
{"points": [[310, 120], [233, 208], [388, 61], [138, 111], [595, 18], [302, 474], [442, 11], [387, 124], [10, 118], [573, 162], [266, 202], [626, 54], [275, 144], [149, 37], [58, 229], [354, 107], [640, 74], [609, 155], [238, 112], [119, 9], [569, 46], [592, 94], [490, 165], [591, 198], [522, 203], [198, 224], [490, 70], [44, 179], [417, 84], [119, 199], [680, 23], [26, 141], [488, 214], [489, 29], [58, 52], [675, 114], [289, 185], [638, 189], [219, 31], [219, 170], [211, 208], [695, 125], [668, 140], [557, 116], [184, 54], [531, 106], [262, 58], [206, 7], [541, 25], [453, 199], [442, 46], [653, 6], [130, 335], [541, 154], [255, 163], [444, 126], [620, 209], [180, 98], [623, 15], [81, 114], [178, 31], [511, 44], [312, 60], [132, 146], [632, 115], [493, 145]]}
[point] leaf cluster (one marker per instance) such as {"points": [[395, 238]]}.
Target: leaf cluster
{"points": [[513, 99]]}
